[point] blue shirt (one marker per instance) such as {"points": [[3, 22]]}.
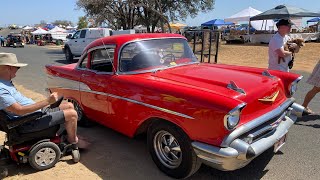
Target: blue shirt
{"points": [[10, 95]]}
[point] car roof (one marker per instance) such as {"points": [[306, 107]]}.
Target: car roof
{"points": [[122, 39]]}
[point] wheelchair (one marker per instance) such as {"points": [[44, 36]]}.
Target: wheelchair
{"points": [[41, 149]]}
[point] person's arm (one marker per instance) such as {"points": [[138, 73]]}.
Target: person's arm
{"points": [[282, 53], [20, 110]]}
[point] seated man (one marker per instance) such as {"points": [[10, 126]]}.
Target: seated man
{"points": [[15, 104]]}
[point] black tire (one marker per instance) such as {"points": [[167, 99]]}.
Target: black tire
{"points": [[68, 54], [75, 155], [53, 148], [189, 162]]}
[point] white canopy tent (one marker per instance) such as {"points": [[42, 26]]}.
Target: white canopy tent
{"points": [[27, 28], [57, 30], [39, 31], [246, 14]]}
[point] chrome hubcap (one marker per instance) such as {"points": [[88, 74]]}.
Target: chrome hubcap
{"points": [[77, 108], [45, 156], [167, 149]]}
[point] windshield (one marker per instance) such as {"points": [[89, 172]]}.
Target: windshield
{"points": [[149, 55]]}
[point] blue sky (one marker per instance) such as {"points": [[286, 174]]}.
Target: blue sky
{"points": [[23, 12]]}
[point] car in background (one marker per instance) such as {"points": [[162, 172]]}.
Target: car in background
{"points": [[193, 113], [15, 40]]}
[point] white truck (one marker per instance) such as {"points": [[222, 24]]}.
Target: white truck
{"points": [[81, 38]]}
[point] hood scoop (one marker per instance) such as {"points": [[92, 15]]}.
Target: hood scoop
{"points": [[233, 86]]}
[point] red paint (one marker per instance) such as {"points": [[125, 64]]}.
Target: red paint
{"points": [[198, 91]]}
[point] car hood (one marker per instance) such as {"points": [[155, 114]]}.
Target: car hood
{"points": [[215, 79]]}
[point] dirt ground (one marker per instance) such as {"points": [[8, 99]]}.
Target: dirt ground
{"points": [[257, 56], [247, 55]]}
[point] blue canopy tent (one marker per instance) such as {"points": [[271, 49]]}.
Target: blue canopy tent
{"points": [[317, 19], [216, 22]]}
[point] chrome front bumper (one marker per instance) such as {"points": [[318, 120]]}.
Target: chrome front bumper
{"points": [[235, 153]]}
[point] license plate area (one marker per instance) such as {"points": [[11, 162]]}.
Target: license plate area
{"points": [[280, 143]]}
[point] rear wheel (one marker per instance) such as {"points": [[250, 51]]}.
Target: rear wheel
{"points": [[68, 54], [171, 150], [82, 119]]}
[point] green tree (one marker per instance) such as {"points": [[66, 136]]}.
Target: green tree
{"points": [[151, 13], [82, 23], [62, 22]]}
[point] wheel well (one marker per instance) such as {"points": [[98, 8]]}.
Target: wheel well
{"points": [[143, 128]]}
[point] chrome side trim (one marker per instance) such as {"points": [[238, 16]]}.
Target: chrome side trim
{"points": [[85, 88], [141, 103], [256, 122], [58, 82]]}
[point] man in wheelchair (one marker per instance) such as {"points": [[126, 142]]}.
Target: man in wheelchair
{"points": [[41, 155]]}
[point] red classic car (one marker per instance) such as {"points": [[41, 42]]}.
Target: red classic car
{"points": [[193, 113]]}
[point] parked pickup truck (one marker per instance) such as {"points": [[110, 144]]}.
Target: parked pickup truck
{"points": [[193, 113], [81, 38]]}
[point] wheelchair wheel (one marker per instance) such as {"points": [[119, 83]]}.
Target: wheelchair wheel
{"points": [[75, 155], [44, 156]]}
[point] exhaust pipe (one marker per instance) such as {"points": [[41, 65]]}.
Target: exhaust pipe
{"points": [[298, 110]]}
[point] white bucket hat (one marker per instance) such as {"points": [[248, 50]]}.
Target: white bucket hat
{"points": [[10, 59]]}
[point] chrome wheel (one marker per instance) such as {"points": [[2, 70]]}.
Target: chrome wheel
{"points": [[77, 108], [45, 156], [167, 149]]}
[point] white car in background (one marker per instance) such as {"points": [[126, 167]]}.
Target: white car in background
{"points": [[81, 38]]}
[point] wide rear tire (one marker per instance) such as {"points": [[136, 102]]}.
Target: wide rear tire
{"points": [[171, 150]]}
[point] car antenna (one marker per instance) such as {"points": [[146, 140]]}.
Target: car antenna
{"points": [[108, 54]]}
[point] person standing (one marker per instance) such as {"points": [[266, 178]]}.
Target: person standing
{"points": [[276, 47], [2, 41], [314, 80]]}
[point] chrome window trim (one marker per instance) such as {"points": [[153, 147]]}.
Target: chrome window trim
{"points": [[103, 47], [136, 40], [256, 122]]}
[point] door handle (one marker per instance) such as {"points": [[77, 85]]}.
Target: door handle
{"points": [[83, 41], [84, 75], [75, 41]]}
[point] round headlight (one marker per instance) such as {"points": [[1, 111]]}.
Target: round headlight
{"points": [[233, 119], [294, 86]]}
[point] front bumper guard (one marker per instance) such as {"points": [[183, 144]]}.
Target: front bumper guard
{"points": [[237, 153]]}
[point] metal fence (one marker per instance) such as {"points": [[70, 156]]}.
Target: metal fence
{"points": [[204, 43]]}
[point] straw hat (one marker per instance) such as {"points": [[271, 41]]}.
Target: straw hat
{"points": [[10, 59]]}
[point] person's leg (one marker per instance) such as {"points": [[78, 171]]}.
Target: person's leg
{"points": [[310, 95], [66, 105], [71, 118]]}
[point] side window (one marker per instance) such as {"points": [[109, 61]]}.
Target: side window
{"points": [[84, 62], [102, 60], [76, 35], [83, 34]]}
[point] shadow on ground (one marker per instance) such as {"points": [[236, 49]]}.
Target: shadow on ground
{"points": [[309, 121], [113, 155]]}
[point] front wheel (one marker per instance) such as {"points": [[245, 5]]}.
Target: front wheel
{"points": [[171, 150], [44, 156]]}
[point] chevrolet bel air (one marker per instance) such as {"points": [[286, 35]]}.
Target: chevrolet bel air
{"points": [[192, 113]]}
